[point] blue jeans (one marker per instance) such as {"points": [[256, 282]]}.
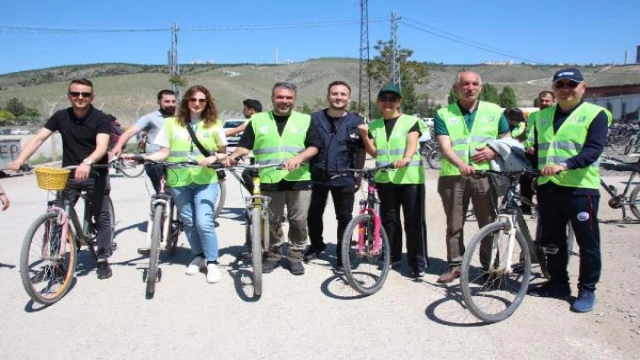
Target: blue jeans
{"points": [[196, 208]]}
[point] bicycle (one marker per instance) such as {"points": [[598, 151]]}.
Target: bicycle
{"points": [[128, 168], [493, 283], [621, 200], [257, 228], [431, 154], [48, 256], [164, 223], [370, 253]]}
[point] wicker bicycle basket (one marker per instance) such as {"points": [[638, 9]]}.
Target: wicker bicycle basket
{"points": [[52, 178]]}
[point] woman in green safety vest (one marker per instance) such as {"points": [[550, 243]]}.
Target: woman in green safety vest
{"points": [[393, 139], [517, 123], [195, 189]]}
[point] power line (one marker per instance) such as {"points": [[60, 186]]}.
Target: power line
{"points": [[460, 40], [59, 30]]}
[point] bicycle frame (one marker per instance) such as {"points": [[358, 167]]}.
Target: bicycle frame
{"points": [[370, 206]]}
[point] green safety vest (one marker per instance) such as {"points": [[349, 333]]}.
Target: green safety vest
{"points": [[464, 142], [518, 130], [531, 120], [392, 149], [272, 148], [182, 149], [567, 142]]}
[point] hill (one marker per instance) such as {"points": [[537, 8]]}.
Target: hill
{"points": [[128, 90]]}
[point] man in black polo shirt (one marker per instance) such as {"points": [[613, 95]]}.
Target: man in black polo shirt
{"points": [[85, 137]]}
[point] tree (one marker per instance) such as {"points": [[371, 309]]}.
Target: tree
{"points": [[31, 113], [453, 96], [6, 115], [16, 107], [427, 107], [508, 97], [489, 93], [178, 80], [412, 73]]}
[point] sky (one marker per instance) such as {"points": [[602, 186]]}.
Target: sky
{"points": [[250, 31]]}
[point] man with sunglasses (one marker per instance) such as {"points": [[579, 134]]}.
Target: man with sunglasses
{"points": [[463, 130], [85, 133], [568, 140]]}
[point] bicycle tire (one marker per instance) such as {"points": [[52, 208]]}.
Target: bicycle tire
{"points": [[355, 259], [112, 215], [174, 228], [154, 249], [633, 200], [130, 168], [433, 158], [482, 287], [627, 148], [222, 196], [62, 267], [256, 250]]}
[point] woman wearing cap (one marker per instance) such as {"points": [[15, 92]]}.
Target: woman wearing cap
{"points": [[393, 139]]}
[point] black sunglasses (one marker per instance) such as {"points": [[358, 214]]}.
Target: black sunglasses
{"points": [[388, 98], [201, 101], [78, 93], [568, 84]]}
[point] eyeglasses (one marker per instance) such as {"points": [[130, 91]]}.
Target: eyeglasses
{"points": [[388, 99], [568, 84], [199, 101], [76, 94]]}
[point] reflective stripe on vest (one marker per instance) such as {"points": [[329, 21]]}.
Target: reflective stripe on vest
{"points": [[271, 149], [464, 141], [181, 149], [567, 142], [392, 149]]}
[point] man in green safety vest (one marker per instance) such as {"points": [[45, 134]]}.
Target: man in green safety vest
{"points": [[462, 130], [568, 140], [283, 136]]}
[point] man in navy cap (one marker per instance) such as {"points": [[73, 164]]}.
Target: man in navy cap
{"points": [[569, 138]]}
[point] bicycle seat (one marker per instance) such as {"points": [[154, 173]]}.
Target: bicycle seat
{"points": [[634, 155]]}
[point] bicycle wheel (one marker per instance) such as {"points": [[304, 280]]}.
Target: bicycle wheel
{"points": [[130, 168], [433, 158], [47, 262], [154, 250], [634, 202], [221, 199], [627, 148], [256, 250], [491, 290], [365, 267], [112, 215], [174, 227]]}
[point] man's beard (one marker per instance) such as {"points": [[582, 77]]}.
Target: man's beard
{"points": [[168, 111]]}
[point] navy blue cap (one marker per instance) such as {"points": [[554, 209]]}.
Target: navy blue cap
{"points": [[390, 88], [572, 74]]}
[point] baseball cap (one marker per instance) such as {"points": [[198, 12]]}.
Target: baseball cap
{"points": [[390, 88], [572, 74]]}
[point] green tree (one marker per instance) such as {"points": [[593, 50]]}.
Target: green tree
{"points": [[178, 80], [426, 106], [31, 113], [16, 107], [6, 115], [508, 97], [489, 93], [453, 96], [412, 73]]}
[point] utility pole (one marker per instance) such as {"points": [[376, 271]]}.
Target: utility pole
{"points": [[394, 71], [174, 66], [364, 95]]}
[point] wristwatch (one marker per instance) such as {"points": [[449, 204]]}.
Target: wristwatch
{"points": [[564, 165], [87, 161]]}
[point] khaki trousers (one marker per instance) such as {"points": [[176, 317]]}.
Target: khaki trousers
{"points": [[297, 202]]}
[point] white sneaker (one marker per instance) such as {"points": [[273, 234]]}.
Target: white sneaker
{"points": [[213, 273], [195, 266]]}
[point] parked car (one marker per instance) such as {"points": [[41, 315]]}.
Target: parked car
{"points": [[20, 132], [230, 124], [5, 132]]}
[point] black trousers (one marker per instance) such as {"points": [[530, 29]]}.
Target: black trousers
{"points": [[556, 209], [154, 172], [98, 190], [410, 198], [343, 197]]}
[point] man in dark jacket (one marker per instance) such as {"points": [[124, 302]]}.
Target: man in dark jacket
{"points": [[341, 148]]}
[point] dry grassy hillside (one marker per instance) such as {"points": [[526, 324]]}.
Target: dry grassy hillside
{"points": [[128, 90]]}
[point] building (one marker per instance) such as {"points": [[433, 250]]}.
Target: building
{"points": [[622, 100]]}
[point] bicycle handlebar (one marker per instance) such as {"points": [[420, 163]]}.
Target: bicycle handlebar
{"points": [[279, 166], [506, 173], [140, 159], [346, 171]]}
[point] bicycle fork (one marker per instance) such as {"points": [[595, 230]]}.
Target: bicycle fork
{"points": [[504, 260], [61, 220], [377, 223]]}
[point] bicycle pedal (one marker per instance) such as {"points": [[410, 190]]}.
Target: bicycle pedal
{"points": [[159, 274], [142, 251]]}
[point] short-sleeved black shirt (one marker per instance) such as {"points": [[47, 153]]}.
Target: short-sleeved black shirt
{"points": [[248, 138], [79, 135]]}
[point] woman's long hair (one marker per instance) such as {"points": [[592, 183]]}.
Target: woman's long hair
{"points": [[209, 114]]}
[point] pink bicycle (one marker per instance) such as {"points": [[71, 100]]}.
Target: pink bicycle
{"points": [[367, 259]]}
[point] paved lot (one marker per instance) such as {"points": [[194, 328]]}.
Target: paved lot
{"points": [[315, 316]]}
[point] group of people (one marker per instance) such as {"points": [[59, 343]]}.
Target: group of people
{"points": [[564, 141]]}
